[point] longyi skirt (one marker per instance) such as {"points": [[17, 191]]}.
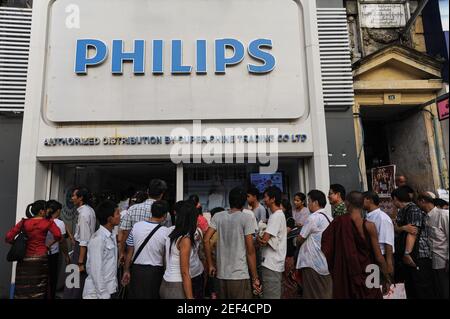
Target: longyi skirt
{"points": [[31, 278]]}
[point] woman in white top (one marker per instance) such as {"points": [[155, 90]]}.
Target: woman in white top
{"points": [[183, 277]]}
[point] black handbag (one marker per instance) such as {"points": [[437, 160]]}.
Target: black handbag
{"points": [[19, 246], [123, 290]]}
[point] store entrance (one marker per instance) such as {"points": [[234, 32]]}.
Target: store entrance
{"points": [[395, 135], [111, 180], [212, 183]]}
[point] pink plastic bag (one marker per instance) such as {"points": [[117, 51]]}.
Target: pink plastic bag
{"points": [[397, 291]]}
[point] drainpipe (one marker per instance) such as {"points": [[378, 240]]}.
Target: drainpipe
{"points": [[438, 152], [437, 149]]}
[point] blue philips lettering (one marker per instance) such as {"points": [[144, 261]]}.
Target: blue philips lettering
{"points": [[228, 52], [82, 51], [221, 48], [158, 57], [137, 57], [201, 57], [254, 50], [177, 59]]}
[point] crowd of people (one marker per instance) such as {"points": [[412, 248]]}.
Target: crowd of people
{"points": [[261, 247]]}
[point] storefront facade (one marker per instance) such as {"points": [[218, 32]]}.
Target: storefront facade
{"points": [[111, 101]]}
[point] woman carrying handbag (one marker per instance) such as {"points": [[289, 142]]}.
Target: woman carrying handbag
{"points": [[32, 271]]}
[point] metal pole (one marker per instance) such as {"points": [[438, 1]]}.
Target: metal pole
{"points": [[405, 32]]}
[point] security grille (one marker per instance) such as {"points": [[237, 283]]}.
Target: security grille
{"points": [[15, 30], [337, 78]]}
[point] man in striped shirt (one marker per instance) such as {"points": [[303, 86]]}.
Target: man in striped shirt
{"points": [[139, 212]]}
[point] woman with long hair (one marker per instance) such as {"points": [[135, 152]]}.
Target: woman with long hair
{"points": [[202, 223], [183, 277], [32, 271]]}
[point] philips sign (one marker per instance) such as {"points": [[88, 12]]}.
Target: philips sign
{"points": [[257, 51], [177, 60]]}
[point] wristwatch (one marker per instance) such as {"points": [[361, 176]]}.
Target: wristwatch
{"points": [[407, 253]]}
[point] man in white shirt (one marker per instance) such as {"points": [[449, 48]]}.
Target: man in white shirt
{"points": [[144, 272], [317, 282], [101, 264], [274, 245], [385, 228], [84, 230], [437, 224]]}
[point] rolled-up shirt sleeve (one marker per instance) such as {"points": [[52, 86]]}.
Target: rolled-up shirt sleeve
{"points": [[85, 230], [130, 239]]}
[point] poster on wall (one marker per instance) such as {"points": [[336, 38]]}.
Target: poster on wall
{"points": [[263, 181], [387, 206], [443, 109], [383, 180]]}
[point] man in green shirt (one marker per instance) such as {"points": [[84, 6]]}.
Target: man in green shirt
{"points": [[336, 197]]}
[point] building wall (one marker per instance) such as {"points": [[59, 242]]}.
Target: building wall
{"points": [[408, 150], [341, 136], [10, 132], [436, 43], [330, 3], [411, 152], [342, 150], [365, 41], [445, 130]]}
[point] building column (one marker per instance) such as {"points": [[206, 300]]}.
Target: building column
{"points": [[360, 145], [180, 182], [436, 148]]}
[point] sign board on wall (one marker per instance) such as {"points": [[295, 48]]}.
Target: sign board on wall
{"points": [[383, 15], [443, 109], [176, 76]]}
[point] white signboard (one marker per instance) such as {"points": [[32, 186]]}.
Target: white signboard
{"points": [[165, 60], [378, 15]]}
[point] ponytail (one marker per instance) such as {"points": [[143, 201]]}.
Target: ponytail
{"points": [[34, 209], [29, 211]]}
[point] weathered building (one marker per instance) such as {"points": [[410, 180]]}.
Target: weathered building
{"points": [[397, 84]]}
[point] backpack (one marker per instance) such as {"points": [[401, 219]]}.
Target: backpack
{"points": [[19, 246]]}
